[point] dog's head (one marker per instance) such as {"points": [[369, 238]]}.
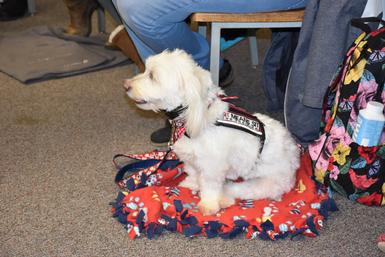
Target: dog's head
{"points": [[172, 79]]}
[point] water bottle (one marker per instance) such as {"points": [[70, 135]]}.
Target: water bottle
{"points": [[370, 123]]}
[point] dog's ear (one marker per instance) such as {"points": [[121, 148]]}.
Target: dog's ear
{"points": [[196, 86]]}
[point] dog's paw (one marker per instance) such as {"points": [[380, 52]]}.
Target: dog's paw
{"points": [[189, 183], [226, 201], [208, 207]]}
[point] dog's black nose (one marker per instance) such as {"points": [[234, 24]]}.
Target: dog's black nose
{"points": [[127, 85]]}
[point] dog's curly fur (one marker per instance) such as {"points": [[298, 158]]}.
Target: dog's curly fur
{"points": [[213, 155]]}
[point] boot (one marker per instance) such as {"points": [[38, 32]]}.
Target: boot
{"points": [[120, 38], [80, 12]]}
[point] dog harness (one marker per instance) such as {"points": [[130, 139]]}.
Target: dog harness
{"points": [[235, 117]]}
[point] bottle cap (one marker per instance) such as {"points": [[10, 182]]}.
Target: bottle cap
{"points": [[375, 107]]}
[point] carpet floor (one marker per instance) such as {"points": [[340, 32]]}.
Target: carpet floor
{"points": [[57, 139]]}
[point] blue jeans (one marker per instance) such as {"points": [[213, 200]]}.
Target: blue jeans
{"points": [[156, 25]]}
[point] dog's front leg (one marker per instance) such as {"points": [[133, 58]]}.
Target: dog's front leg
{"points": [[211, 186], [191, 181]]}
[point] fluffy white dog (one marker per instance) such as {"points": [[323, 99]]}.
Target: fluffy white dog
{"points": [[214, 155]]}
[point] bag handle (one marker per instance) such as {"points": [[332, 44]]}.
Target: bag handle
{"points": [[361, 23], [339, 80], [383, 9], [380, 88]]}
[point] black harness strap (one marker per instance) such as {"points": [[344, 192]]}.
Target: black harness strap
{"points": [[171, 115]]}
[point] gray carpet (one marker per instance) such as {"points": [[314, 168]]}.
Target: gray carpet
{"points": [[57, 139]]}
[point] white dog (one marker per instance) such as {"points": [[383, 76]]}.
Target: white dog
{"points": [[213, 155]]}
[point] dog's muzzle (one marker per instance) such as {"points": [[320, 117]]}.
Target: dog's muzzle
{"points": [[127, 85]]}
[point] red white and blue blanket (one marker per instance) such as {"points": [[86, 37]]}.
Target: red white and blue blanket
{"points": [[151, 202]]}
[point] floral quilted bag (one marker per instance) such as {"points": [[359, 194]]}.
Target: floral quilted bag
{"points": [[353, 170]]}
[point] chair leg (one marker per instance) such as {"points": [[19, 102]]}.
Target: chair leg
{"points": [[32, 7], [101, 20], [253, 47], [215, 51], [110, 9], [202, 29]]}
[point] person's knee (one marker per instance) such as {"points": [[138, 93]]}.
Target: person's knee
{"points": [[134, 13]]}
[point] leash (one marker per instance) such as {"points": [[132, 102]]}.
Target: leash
{"points": [[139, 165]]}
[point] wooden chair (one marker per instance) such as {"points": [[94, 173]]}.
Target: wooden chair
{"points": [[218, 21]]}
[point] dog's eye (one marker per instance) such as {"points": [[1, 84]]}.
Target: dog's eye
{"points": [[151, 76]]}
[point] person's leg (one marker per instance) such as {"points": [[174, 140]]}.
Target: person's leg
{"points": [[277, 65], [156, 25]]}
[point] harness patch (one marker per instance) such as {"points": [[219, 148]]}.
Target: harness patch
{"points": [[248, 124], [238, 118]]}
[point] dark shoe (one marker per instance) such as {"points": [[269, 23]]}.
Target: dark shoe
{"points": [[12, 9], [162, 136], [226, 74]]}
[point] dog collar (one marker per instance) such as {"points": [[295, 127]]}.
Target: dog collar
{"points": [[173, 114], [177, 124]]}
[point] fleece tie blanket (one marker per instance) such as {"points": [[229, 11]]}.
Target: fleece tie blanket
{"points": [[151, 202]]}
